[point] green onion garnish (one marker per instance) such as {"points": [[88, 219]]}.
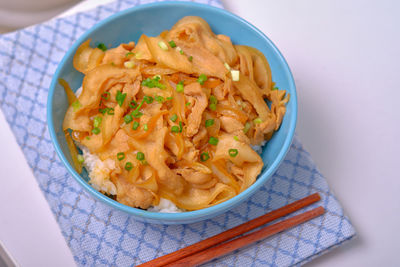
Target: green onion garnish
{"points": [[180, 126], [159, 99], [105, 95], [175, 129], [172, 44], [162, 45], [257, 121], [188, 104], [120, 156], [213, 141], [190, 58], [87, 138], [102, 47], [202, 78], [179, 87], [110, 111], [213, 99], [236, 138], [148, 99], [145, 127], [140, 156], [275, 88], [151, 83], [133, 104], [128, 118], [212, 107], [97, 121], [247, 127], [174, 117], [181, 52], [233, 152], [204, 156], [128, 54], [136, 114], [128, 166], [169, 98], [80, 158], [135, 125], [96, 130], [76, 105], [209, 123], [120, 97]]}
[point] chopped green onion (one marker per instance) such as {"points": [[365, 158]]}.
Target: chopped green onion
{"points": [[135, 125], [257, 121], [128, 54], [188, 104], [159, 99], [175, 129], [180, 126], [213, 99], [80, 158], [133, 104], [87, 137], [110, 111], [179, 87], [190, 58], [128, 118], [233, 152], [213, 141], [120, 156], [181, 52], [102, 47], [172, 44], [151, 83], [236, 138], [275, 88], [148, 99], [145, 127], [235, 75], [140, 156], [209, 123], [162, 45], [76, 105], [137, 114], [157, 77], [247, 127], [202, 78], [113, 64], [105, 95], [120, 97], [128, 166], [227, 66], [169, 98], [204, 156], [179, 49], [97, 121], [129, 64], [174, 117], [96, 130], [213, 103]]}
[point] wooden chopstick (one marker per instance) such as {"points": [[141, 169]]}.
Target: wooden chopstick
{"points": [[234, 232], [227, 247]]}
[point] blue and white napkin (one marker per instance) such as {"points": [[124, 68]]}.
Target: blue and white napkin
{"points": [[101, 236]]}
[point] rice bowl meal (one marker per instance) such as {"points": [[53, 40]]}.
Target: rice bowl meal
{"points": [[174, 122]]}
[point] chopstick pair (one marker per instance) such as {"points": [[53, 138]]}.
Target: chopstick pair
{"points": [[213, 247]]}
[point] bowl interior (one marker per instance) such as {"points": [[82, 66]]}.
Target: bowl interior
{"points": [[151, 20]]}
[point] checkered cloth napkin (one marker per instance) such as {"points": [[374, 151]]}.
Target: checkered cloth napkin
{"points": [[99, 235]]}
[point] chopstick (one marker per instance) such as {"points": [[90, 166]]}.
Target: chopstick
{"points": [[240, 242], [231, 233]]}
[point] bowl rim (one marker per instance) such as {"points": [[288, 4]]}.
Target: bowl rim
{"points": [[189, 215]]}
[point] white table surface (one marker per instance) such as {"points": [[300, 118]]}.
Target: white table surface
{"points": [[345, 57]]}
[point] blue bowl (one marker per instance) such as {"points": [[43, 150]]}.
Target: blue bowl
{"points": [[151, 19]]}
